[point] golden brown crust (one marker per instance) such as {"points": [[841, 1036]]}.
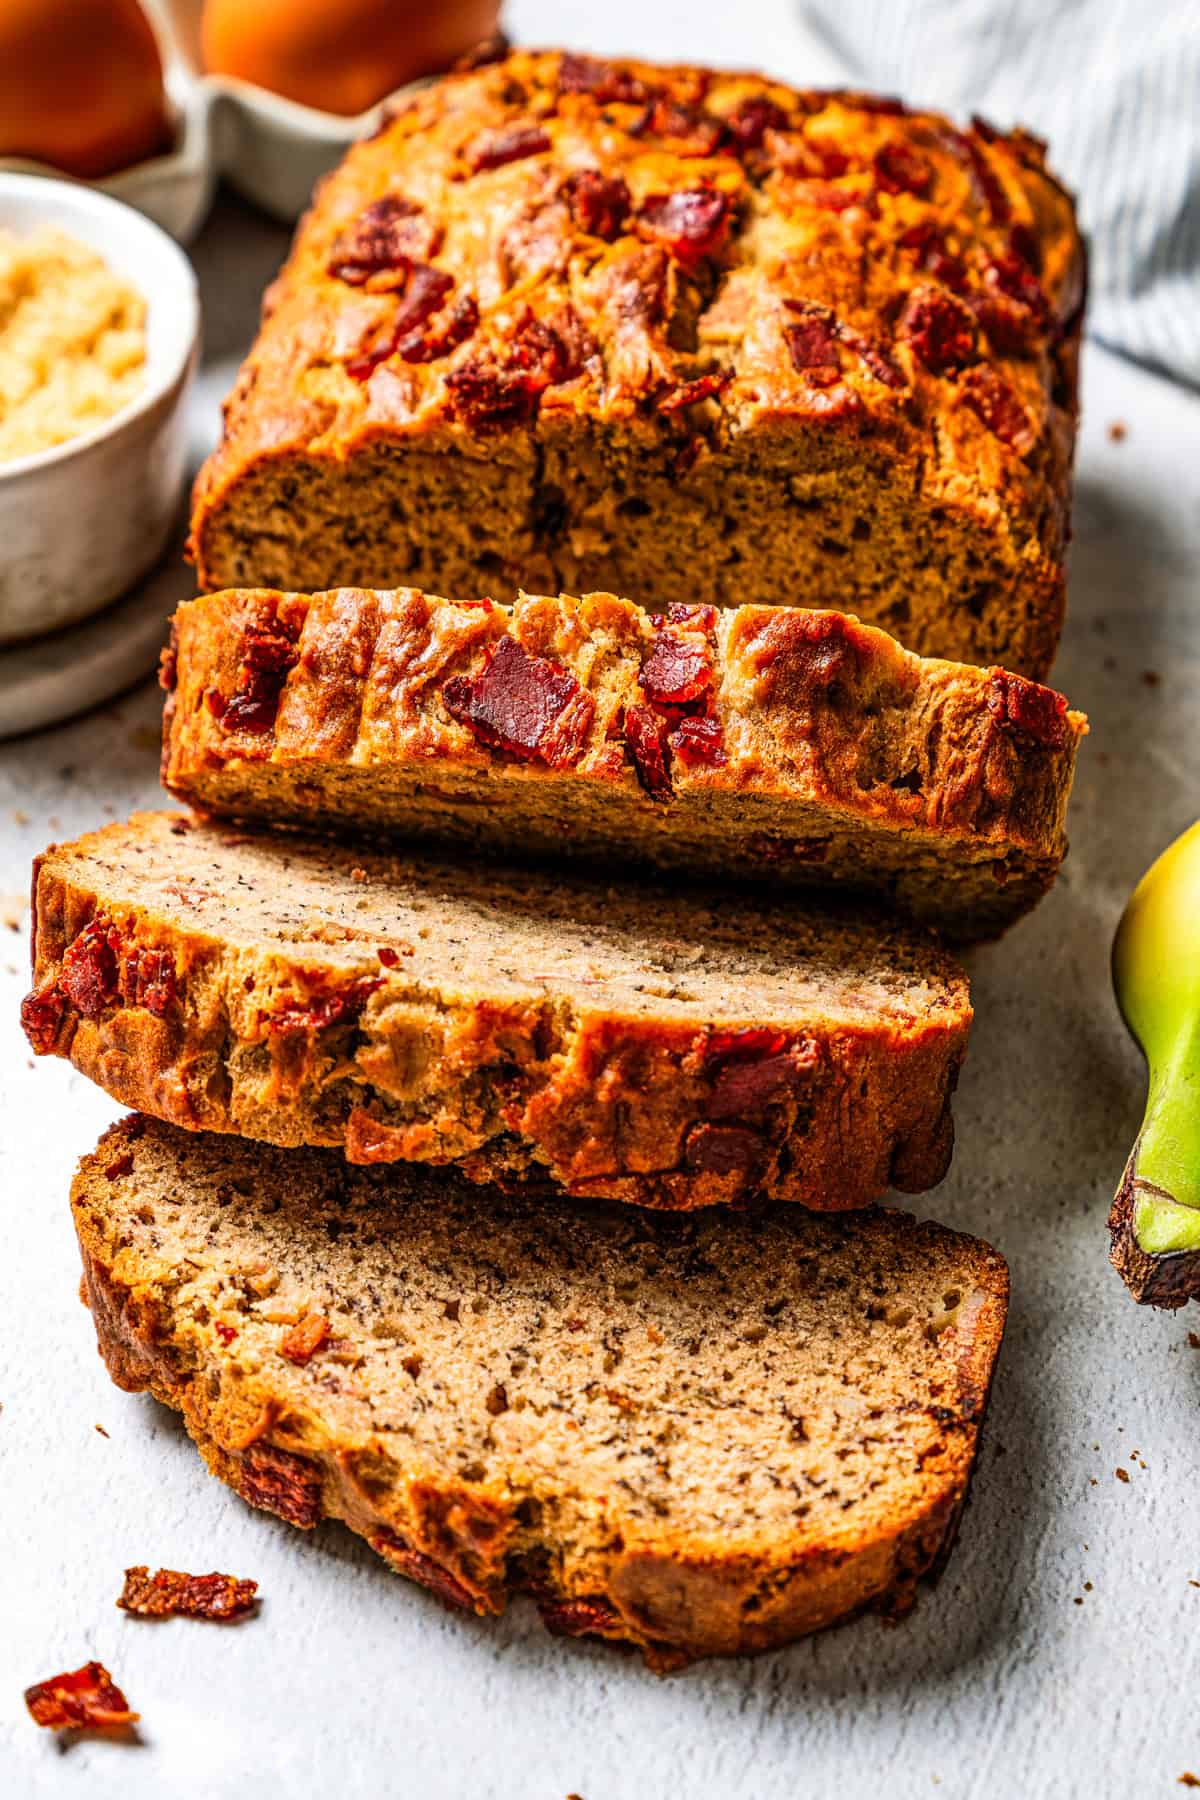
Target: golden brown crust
{"points": [[799, 746], [675, 1591], [841, 367], [673, 1052]]}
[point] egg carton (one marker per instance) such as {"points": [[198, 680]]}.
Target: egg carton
{"points": [[270, 149]]}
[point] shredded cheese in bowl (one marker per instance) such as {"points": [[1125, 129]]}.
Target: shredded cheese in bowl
{"points": [[72, 341]]}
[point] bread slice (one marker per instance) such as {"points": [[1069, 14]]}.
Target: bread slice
{"points": [[700, 1435], [623, 1042], [798, 747]]}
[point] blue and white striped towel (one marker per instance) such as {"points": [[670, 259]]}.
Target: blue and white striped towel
{"points": [[1114, 85]]}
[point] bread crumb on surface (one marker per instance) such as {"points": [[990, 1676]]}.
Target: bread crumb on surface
{"points": [[1122, 1474], [1118, 431]]}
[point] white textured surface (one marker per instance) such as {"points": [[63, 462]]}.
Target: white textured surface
{"points": [[353, 1683]]}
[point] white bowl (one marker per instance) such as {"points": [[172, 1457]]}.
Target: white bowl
{"points": [[80, 523]]}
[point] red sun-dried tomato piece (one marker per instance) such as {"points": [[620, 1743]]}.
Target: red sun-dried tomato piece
{"points": [[989, 188], [41, 1015], [746, 1086], [86, 1699], [512, 144], [591, 1617], [690, 130], [749, 123], [704, 387], [699, 743], [932, 254], [423, 1569], [147, 978], [901, 168], [940, 329], [281, 1482], [1026, 706], [646, 735], [326, 1009], [811, 340], [692, 222], [742, 1041], [994, 401], [599, 204], [438, 340], [604, 81], [530, 706], [678, 670], [488, 397], [383, 241], [724, 1149], [90, 975], [302, 1342], [173, 1594]]}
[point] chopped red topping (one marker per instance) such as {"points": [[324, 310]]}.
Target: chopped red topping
{"points": [[171, 1594], [646, 735], [41, 1015], [699, 743], [267, 659], [940, 329], [512, 144], [419, 1567], [969, 150], [1014, 309], [604, 81], [996, 403], [329, 1009], [901, 168], [690, 130], [933, 255], [489, 397], [148, 979], [1026, 706], [387, 956], [806, 651], [598, 204], [383, 242], [424, 294], [90, 975], [302, 1342], [430, 345], [691, 222], [1023, 242], [871, 356], [723, 1149], [811, 339], [704, 387], [87, 1699], [745, 1087], [750, 1040], [749, 124], [278, 1481], [696, 618], [227, 1333], [678, 670], [530, 706], [591, 1617]]}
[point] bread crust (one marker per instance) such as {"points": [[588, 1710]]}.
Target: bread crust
{"points": [[830, 756], [671, 1591], [842, 365], [314, 1030]]}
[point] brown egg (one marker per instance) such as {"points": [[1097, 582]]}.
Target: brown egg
{"points": [[340, 55], [81, 85]]}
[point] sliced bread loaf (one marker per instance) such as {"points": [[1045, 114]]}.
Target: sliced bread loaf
{"points": [[700, 1435], [622, 1041], [798, 747]]}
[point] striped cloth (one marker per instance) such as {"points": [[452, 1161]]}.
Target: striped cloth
{"points": [[1114, 85]]}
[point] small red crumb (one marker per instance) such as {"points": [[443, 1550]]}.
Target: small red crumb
{"points": [[388, 958], [226, 1333], [1122, 1474], [1117, 431], [170, 1593], [86, 1699]]}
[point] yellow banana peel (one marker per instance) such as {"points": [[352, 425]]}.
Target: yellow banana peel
{"points": [[1155, 1218]]}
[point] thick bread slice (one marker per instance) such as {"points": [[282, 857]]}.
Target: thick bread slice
{"points": [[624, 1042], [793, 746], [702, 1435]]}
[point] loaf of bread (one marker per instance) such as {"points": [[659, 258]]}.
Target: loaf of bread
{"points": [[620, 1041], [696, 338], [798, 747], [698, 1435]]}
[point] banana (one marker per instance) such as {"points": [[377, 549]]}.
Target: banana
{"points": [[1155, 1218]]}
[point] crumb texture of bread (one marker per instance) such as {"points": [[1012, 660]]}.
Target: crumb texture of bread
{"points": [[620, 1041], [692, 337], [798, 748], [698, 1434]]}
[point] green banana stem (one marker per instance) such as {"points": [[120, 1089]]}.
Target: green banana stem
{"points": [[1155, 1219]]}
